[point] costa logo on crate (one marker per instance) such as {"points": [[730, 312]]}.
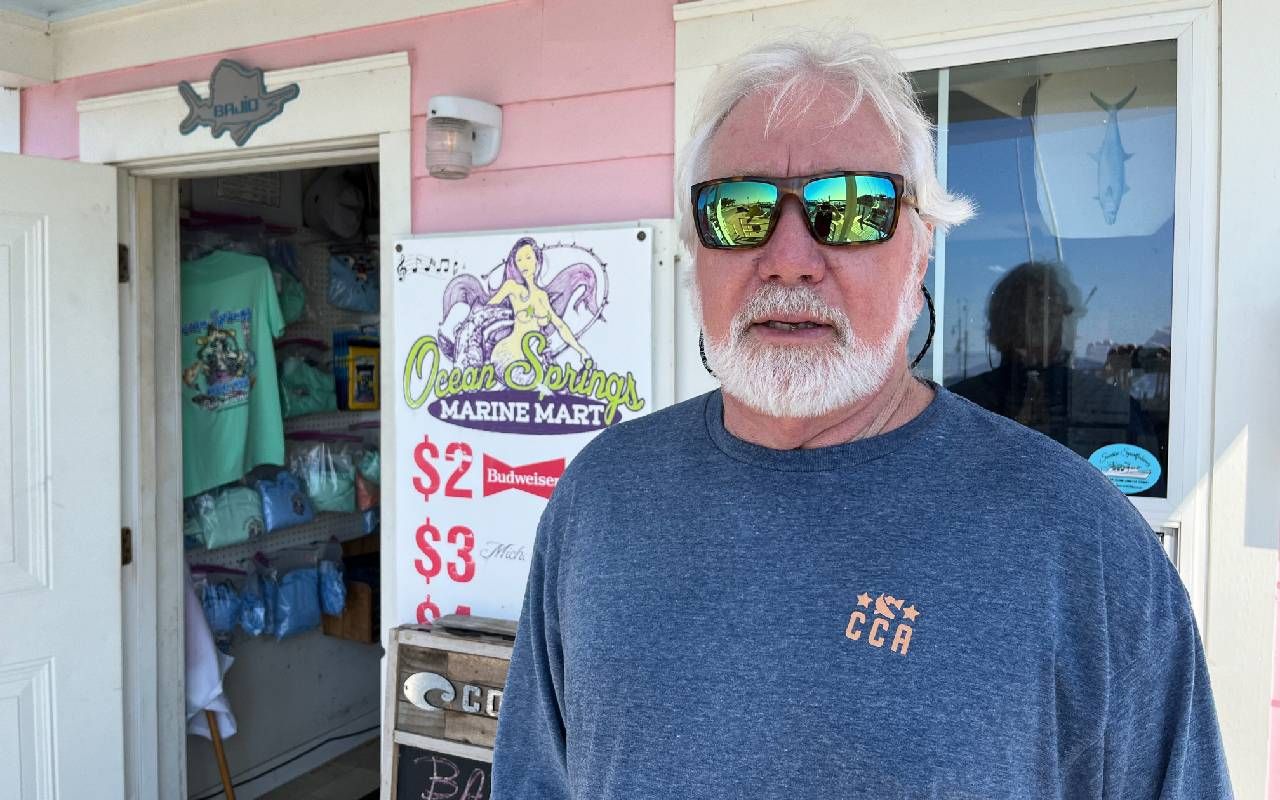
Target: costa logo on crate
{"points": [[513, 350], [445, 687]]}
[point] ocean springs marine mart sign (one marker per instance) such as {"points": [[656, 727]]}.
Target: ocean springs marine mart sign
{"points": [[512, 352]]}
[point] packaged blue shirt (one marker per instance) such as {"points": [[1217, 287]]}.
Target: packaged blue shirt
{"points": [[353, 282], [333, 591], [221, 603], [284, 501], [958, 608], [269, 584], [297, 607], [253, 608], [227, 516]]}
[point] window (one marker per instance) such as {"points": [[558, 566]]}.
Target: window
{"points": [[1055, 303]]}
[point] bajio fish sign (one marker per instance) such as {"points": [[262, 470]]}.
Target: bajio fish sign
{"points": [[511, 352]]}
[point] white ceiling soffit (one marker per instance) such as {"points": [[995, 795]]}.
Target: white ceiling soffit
{"points": [[53, 10], [26, 51], [116, 34]]}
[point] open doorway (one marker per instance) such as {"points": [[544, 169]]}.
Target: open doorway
{"points": [[278, 320]]}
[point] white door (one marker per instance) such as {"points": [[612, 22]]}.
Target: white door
{"points": [[61, 726]]}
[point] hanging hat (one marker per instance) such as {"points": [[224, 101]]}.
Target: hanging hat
{"points": [[334, 204]]}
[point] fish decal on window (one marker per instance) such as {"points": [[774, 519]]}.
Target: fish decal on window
{"points": [[1110, 159], [238, 102]]}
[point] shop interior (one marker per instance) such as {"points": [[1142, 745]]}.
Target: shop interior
{"points": [[281, 414]]}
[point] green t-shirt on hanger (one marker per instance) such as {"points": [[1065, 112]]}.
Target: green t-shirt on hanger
{"points": [[230, 397]]}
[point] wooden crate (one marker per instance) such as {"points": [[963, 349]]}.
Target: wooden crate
{"points": [[468, 668], [356, 621]]}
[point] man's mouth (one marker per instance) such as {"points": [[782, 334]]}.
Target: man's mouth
{"points": [[791, 329], [779, 325]]}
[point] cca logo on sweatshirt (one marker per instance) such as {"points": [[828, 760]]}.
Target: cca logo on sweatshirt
{"points": [[879, 624]]}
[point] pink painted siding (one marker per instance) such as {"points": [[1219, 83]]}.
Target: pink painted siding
{"points": [[585, 85]]}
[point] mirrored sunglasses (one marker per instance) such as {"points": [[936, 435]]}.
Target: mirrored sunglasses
{"points": [[840, 208]]}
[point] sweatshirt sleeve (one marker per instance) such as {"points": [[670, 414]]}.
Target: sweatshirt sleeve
{"points": [[1162, 739], [1157, 735], [529, 753]]}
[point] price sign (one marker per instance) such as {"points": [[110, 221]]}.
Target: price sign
{"points": [[426, 454], [507, 366]]}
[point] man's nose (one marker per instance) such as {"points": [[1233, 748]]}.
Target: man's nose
{"points": [[791, 255]]}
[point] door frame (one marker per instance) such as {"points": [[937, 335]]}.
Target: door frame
{"points": [[373, 95]]}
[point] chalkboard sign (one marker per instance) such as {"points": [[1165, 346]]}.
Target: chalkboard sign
{"points": [[429, 775]]}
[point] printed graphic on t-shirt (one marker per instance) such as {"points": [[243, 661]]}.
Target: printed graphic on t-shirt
{"points": [[874, 623], [222, 373]]}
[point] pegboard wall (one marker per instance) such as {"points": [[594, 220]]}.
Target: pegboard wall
{"points": [[320, 317], [319, 320], [301, 537]]}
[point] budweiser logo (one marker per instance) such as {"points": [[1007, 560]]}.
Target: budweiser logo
{"points": [[539, 479]]}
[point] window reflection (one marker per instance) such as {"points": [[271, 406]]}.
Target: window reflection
{"points": [[1057, 306], [1035, 378]]}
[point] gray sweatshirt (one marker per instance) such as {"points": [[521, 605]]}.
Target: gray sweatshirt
{"points": [[959, 608]]}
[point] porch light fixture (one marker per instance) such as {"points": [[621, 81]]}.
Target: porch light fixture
{"points": [[461, 133]]}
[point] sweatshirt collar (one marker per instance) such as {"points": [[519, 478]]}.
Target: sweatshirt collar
{"points": [[818, 459]]}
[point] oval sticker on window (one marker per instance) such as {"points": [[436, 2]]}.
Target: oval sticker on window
{"points": [[1130, 468]]}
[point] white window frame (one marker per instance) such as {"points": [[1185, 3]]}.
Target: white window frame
{"points": [[1186, 508]]}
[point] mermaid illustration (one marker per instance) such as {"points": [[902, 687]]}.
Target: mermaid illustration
{"points": [[497, 321]]}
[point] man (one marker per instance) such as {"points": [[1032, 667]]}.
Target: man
{"points": [[830, 579]]}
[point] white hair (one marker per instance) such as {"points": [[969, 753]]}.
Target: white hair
{"points": [[794, 69]]}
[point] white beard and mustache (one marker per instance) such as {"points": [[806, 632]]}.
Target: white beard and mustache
{"points": [[803, 379]]}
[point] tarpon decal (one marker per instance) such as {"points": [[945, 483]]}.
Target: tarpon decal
{"points": [[238, 102], [1110, 159]]}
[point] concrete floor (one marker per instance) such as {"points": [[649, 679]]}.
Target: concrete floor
{"points": [[351, 776]]}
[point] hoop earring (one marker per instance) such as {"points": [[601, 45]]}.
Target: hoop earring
{"points": [[928, 298], [702, 351]]}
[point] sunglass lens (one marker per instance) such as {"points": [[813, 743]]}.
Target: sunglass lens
{"points": [[851, 208], [735, 213]]}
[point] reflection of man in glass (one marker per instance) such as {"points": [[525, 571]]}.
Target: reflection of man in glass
{"points": [[1031, 321], [822, 220]]}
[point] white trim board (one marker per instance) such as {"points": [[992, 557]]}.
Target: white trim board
{"points": [[699, 9], [731, 26], [163, 30], [715, 8], [10, 120], [340, 100], [446, 746]]}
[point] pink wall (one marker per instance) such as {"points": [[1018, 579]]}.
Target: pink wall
{"points": [[585, 86]]}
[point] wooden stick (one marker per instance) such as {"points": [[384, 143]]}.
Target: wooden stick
{"points": [[216, 737]]}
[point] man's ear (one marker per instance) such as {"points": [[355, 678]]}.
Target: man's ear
{"points": [[922, 268]]}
